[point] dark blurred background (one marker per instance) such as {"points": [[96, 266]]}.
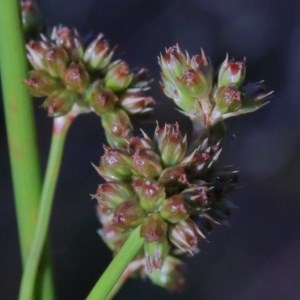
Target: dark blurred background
{"points": [[257, 255]]}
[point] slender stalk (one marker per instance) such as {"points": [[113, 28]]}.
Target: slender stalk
{"points": [[60, 129], [132, 267], [114, 271], [21, 134]]}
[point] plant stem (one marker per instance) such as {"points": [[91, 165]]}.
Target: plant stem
{"points": [[131, 268], [21, 133], [60, 129], [114, 271]]}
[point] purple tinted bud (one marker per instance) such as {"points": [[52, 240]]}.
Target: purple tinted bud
{"points": [[228, 99], [76, 77]]}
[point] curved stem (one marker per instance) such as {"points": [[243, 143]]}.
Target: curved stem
{"points": [[114, 271], [24, 158], [60, 129]]}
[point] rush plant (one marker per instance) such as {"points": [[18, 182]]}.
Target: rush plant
{"points": [[160, 194]]}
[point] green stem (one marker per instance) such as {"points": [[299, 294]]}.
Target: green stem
{"points": [[114, 271], [21, 133], [60, 129]]}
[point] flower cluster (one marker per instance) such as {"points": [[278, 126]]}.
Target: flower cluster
{"points": [[69, 73], [190, 83], [173, 195]]}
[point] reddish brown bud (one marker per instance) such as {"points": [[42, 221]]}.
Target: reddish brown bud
{"points": [[228, 99], [173, 209], [76, 77], [186, 236], [40, 83], [101, 100], [128, 214], [196, 198], [55, 61]]}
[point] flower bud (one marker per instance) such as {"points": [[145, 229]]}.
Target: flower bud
{"points": [[31, 18], [76, 77], [231, 73], [173, 63], [150, 193], [101, 100], [173, 209], [171, 144], [98, 55], [170, 276], [40, 83], [139, 143], [114, 165], [228, 99], [55, 61], [60, 102], [113, 193], [196, 198], [35, 54], [117, 127], [136, 104], [186, 236], [146, 163], [193, 84], [154, 229], [174, 179], [128, 214], [69, 39], [118, 77]]}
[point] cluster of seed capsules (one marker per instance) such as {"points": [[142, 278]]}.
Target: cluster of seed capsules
{"points": [[173, 190], [169, 188], [72, 75]]}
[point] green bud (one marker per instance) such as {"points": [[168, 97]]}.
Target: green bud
{"points": [[170, 276], [98, 54], [146, 163], [173, 209], [150, 193], [228, 99], [128, 214], [76, 77], [60, 102], [115, 165], [101, 99], [113, 193], [55, 61], [232, 73], [40, 83], [171, 144], [173, 63], [117, 128], [118, 77], [186, 236]]}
